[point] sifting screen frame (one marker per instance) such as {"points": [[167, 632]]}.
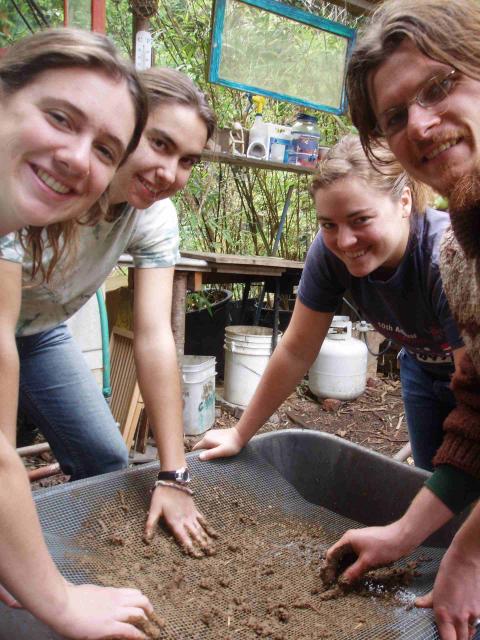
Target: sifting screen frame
{"points": [[293, 14]]}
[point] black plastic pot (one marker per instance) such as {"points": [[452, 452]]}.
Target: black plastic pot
{"points": [[247, 315], [205, 330]]}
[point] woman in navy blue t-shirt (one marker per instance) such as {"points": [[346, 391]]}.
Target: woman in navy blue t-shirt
{"points": [[379, 241]]}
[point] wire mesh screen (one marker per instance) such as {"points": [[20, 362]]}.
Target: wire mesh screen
{"points": [[275, 53], [261, 581]]}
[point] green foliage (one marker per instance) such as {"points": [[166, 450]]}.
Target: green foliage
{"points": [[13, 26], [197, 300]]}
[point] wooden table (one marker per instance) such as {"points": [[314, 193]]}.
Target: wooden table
{"points": [[196, 268]]}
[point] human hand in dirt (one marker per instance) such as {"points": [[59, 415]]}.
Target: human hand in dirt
{"points": [[8, 599], [97, 613], [183, 519], [455, 597], [364, 549], [220, 443]]}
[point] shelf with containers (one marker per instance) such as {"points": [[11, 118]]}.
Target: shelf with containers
{"points": [[243, 161], [222, 154], [274, 284]]}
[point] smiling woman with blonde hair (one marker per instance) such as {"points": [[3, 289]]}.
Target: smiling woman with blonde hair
{"points": [[379, 241]]}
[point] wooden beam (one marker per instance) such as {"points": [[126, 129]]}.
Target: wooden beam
{"points": [[98, 16], [358, 7]]}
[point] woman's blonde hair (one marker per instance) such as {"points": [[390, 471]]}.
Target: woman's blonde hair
{"points": [[52, 49], [347, 159]]}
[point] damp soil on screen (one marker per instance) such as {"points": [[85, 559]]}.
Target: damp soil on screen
{"points": [[262, 579]]}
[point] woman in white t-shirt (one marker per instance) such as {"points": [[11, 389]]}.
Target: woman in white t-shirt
{"points": [[57, 391]]}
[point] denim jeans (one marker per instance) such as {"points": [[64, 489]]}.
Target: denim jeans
{"points": [[428, 401], [59, 394]]}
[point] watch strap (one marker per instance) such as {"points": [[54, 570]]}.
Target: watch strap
{"points": [[180, 476]]}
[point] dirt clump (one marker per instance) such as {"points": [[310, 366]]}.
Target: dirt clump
{"points": [[384, 581], [152, 627]]}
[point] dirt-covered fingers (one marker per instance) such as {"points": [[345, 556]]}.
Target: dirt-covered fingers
{"points": [[201, 539], [182, 532], [208, 528], [337, 559], [153, 516], [193, 540], [197, 533]]}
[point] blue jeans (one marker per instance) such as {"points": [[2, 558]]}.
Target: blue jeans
{"points": [[59, 394], [428, 401]]}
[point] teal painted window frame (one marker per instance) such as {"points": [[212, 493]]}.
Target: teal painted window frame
{"points": [[292, 13]]}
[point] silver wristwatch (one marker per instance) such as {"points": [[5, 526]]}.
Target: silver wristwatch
{"points": [[180, 476]]}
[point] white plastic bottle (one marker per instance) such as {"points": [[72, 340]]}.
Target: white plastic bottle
{"points": [[258, 135]]}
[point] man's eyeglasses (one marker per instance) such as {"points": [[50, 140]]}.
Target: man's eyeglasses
{"points": [[432, 93]]}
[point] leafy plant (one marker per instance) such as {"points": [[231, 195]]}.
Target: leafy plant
{"points": [[205, 299]]}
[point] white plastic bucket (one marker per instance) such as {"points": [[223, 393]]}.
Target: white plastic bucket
{"points": [[198, 377], [247, 351], [340, 369]]}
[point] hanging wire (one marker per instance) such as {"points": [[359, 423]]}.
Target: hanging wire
{"points": [[38, 14], [364, 333], [19, 11]]}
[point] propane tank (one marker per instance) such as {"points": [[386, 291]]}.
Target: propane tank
{"points": [[340, 370]]}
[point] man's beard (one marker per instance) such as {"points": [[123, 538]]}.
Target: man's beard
{"points": [[465, 193], [464, 208]]}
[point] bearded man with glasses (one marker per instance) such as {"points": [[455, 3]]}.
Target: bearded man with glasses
{"points": [[413, 85]]}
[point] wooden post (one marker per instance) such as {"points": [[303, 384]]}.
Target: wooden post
{"points": [[178, 312], [99, 15]]}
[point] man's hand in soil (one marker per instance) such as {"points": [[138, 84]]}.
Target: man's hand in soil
{"points": [[220, 443], [182, 518], [373, 547], [95, 613]]}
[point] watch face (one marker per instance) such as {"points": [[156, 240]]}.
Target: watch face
{"points": [[183, 475]]}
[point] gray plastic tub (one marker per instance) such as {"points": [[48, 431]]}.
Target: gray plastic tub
{"points": [[314, 475]]}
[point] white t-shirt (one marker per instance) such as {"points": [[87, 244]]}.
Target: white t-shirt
{"points": [[150, 236]]}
